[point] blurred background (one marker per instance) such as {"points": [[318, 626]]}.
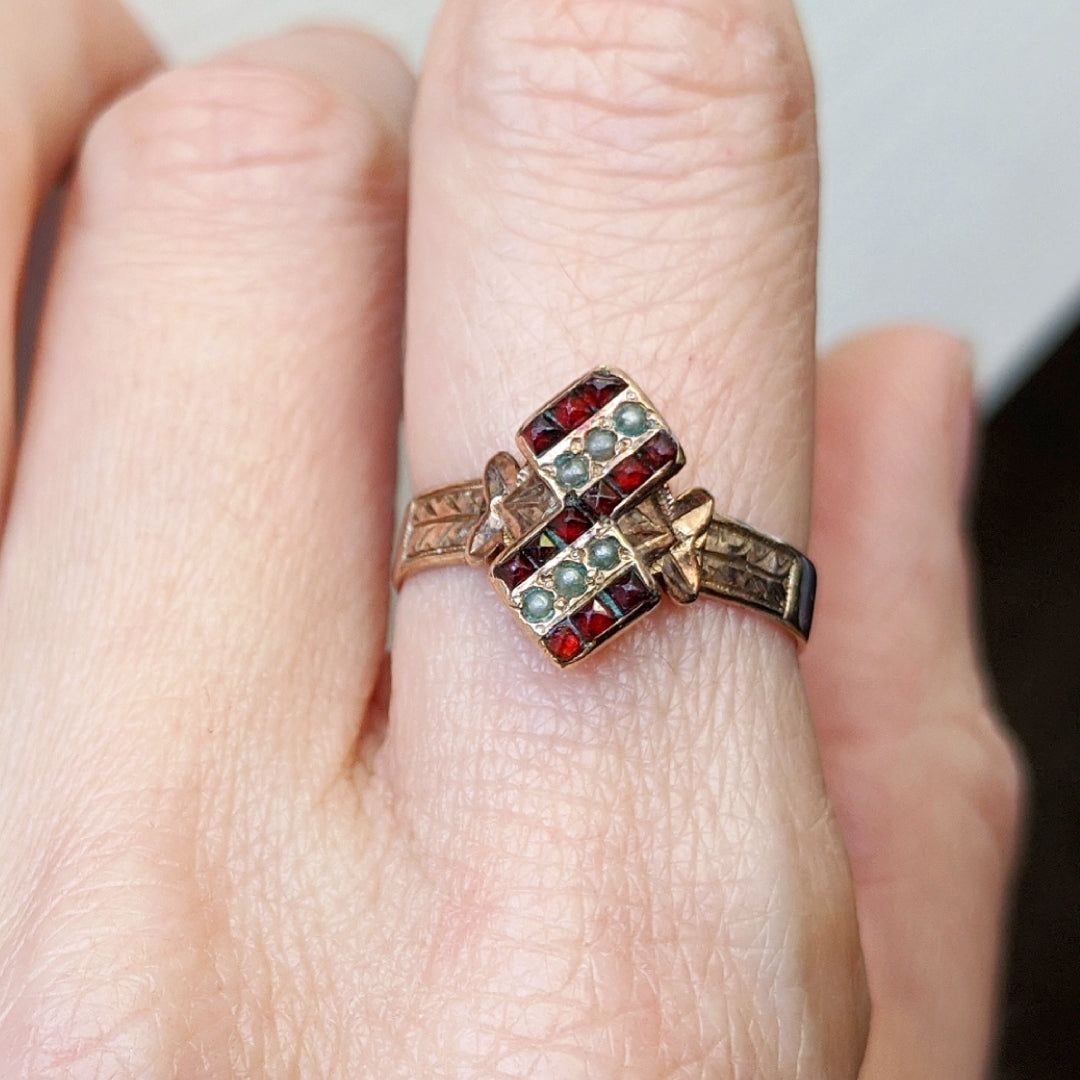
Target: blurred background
{"points": [[951, 169]]}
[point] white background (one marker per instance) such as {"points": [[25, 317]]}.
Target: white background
{"points": [[950, 151]]}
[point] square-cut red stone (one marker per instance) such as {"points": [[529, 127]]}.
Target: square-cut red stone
{"points": [[600, 388], [515, 570], [542, 433], [630, 474], [601, 498], [564, 643], [659, 451], [573, 410], [592, 621], [629, 593], [540, 549], [572, 523]]}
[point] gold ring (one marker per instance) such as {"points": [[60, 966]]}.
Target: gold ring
{"points": [[581, 540]]}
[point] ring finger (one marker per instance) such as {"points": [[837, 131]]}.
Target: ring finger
{"points": [[633, 184]]}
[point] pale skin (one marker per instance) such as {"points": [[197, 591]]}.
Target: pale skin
{"points": [[234, 843]]}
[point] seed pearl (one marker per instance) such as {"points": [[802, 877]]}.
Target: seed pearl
{"points": [[604, 553], [572, 470], [537, 604], [600, 444], [570, 579], [631, 418]]}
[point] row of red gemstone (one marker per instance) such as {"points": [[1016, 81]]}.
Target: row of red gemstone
{"points": [[584, 629], [579, 404]]}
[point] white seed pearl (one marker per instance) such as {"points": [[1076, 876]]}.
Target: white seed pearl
{"points": [[604, 553], [600, 444], [572, 470], [631, 419], [537, 604], [570, 579]]}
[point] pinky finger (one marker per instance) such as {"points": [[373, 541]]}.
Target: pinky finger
{"points": [[924, 779]]}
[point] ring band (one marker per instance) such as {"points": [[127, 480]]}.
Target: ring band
{"points": [[582, 539]]}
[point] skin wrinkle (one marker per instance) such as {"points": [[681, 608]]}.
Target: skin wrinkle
{"points": [[133, 876], [628, 194], [698, 169], [233, 138], [659, 197], [656, 175], [696, 55]]}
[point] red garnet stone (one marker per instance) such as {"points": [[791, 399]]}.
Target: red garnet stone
{"points": [[630, 474], [570, 524], [592, 621], [587, 398], [599, 388], [629, 593], [601, 498], [564, 643], [539, 550], [514, 571], [572, 411], [542, 433], [659, 451]]}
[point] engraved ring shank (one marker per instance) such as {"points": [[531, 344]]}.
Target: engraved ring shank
{"points": [[738, 564]]}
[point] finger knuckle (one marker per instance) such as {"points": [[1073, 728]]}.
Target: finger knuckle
{"points": [[227, 136], [654, 83]]}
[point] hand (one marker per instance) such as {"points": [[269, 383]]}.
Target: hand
{"points": [[229, 848]]}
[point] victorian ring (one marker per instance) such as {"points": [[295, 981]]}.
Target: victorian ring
{"points": [[585, 536]]}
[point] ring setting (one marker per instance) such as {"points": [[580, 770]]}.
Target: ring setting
{"points": [[585, 536]]}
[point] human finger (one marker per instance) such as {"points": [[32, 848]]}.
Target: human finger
{"points": [[925, 781], [207, 468], [629, 184], [60, 62]]}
